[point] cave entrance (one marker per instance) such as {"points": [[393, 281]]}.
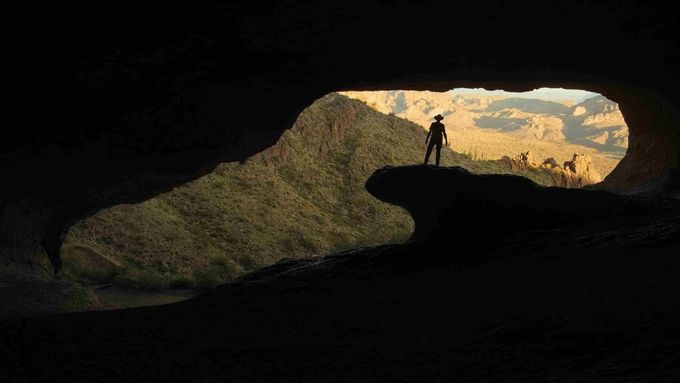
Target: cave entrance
{"points": [[305, 195]]}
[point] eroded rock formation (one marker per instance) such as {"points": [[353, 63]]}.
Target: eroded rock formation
{"points": [[576, 173], [522, 161]]}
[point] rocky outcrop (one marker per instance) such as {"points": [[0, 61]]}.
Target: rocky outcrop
{"points": [[454, 203], [549, 163], [579, 110], [520, 162], [576, 173]]}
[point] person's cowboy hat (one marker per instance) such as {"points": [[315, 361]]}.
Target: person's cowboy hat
{"points": [[438, 117]]}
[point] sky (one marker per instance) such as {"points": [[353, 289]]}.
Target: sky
{"points": [[550, 94]]}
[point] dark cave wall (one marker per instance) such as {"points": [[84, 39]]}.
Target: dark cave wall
{"points": [[117, 103]]}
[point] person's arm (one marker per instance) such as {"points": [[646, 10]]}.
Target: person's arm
{"points": [[429, 133], [446, 139]]}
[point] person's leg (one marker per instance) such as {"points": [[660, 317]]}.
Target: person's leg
{"points": [[439, 150], [429, 150]]}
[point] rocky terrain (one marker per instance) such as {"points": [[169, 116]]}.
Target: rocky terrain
{"points": [[492, 126], [576, 173]]}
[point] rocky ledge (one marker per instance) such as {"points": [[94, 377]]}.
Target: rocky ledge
{"points": [[452, 203]]}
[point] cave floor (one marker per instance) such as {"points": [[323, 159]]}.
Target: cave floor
{"points": [[600, 307]]}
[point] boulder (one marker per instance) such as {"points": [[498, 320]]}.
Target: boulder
{"points": [[549, 163], [576, 173], [521, 161]]}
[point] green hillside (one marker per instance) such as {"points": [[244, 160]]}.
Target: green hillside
{"points": [[304, 196]]}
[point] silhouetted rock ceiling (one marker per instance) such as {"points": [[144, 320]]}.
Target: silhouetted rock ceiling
{"points": [[119, 102]]}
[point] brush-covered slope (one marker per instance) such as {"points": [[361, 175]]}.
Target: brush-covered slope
{"points": [[304, 196]]}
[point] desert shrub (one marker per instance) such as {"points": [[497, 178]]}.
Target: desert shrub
{"points": [[151, 280], [132, 278], [86, 266], [105, 275], [87, 275], [182, 282], [248, 263], [222, 261], [399, 236], [80, 298], [126, 280], [222, 269], [226, 268], [340, 241], [207, 279]]}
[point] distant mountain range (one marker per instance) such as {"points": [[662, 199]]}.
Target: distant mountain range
{"points": [[497, 125], [569, 96]]}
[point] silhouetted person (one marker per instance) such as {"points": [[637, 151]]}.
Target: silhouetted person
{"points": [[435, 134]]}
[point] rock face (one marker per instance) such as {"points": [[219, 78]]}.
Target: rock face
{"points": [[579, 110], [447, 202], [130, 108]]}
